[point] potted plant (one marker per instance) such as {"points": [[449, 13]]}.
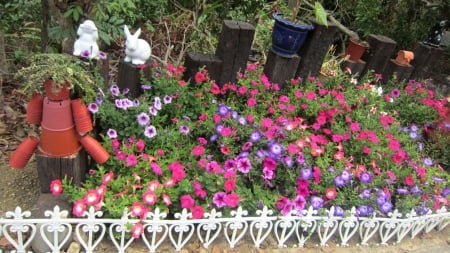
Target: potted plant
{"points": [[289, 34], [61, 74], [356, 48]]}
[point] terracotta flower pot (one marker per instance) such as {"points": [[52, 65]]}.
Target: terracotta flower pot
{"points": [[59, 143], [94, 149], [57, 115], [55, 92], [20, 157], [81, 116], [404, 57], [34, 109], [355, 49]]}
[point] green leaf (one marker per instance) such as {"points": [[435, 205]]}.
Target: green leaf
{"points": [[321, 14]]}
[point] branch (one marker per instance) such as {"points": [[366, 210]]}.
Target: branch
{"points": [[429, 4], [342, 27]]}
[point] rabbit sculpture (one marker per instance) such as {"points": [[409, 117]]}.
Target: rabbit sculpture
{"points": [[137, 51], [86, 44]]}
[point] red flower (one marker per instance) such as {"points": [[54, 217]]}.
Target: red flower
{"points": [[331, 193], [197, 212]]}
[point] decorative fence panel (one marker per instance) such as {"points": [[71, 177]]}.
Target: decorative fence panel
{"points": [[294, 228]]}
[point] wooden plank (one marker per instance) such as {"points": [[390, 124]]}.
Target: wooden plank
{"points": [[280, 69], [402, 72], [314, 50], [51, 168], [428, 61], [195, 61], [130, 77], [356, 68], [381, 50]]}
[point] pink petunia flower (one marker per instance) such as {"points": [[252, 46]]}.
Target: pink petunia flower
{"points": [[56, 187]]}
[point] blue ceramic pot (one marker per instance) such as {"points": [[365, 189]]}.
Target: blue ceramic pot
{"points": [[288, 37]]}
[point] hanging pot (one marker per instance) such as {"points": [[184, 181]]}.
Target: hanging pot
{"points": [[34, 109], [81, 116], [288, 37], [356, 49], [20, 157], [59, 143], [57, 115], [56, 92], [94, 149]]}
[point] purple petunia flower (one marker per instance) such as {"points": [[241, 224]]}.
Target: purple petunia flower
{"points": [[223, 110], [143, 119], [276, 149], [219, 128], [381, 200], [146, 86], [338, 211], [167, 99], [255, 136], [365, 177], [93, 107], [98, 100], [125, 91], [420, 146], [414, 128], [346, 176], [339, 181], [157, 103], [114, 89], [364, 210], [213, 138], [316, 202], [301, 158], [366, 193], [445, 192], [111, 133], [242, 120], [299, 203], [152, 110], [184, 129], [244, 165], [438, 179], [306, 173], [102, 55], [415, 189], [386, 207], [150, 132], [428, 161], [219, 199], [395, 93], [402, 191], [234, 114]]}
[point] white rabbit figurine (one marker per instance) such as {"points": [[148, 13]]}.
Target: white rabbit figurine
{"points": [[87, 40], [137, 50]]}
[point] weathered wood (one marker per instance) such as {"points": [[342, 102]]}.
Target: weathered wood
{"points": [[381, 50], [355, 67], [402, 72], [194, 61], [314, 50], [130, 77], [427, 61], [50, 168], [280, 69], [103, 66], [234, 48]]}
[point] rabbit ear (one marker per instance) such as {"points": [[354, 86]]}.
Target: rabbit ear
{"points": [[137, 33], [127, 32]]}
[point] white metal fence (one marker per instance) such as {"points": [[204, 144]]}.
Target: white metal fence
{"points": [[56, 230]]}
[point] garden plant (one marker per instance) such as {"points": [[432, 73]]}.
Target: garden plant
{"points": [[320, 142]]}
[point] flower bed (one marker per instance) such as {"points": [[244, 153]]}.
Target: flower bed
{"points": [[319, 143]]}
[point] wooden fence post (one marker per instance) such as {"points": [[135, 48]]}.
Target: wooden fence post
{"points": [[313, 52], [234, 49], [426, 61], [194, 61], [51, 168], [280, 69], [130, 77], [402, 72], [381, 49]]}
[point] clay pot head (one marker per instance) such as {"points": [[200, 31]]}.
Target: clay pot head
{"points": [[404, 57]]}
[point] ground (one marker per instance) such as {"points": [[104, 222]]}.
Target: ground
{"points": [[22, 188]]}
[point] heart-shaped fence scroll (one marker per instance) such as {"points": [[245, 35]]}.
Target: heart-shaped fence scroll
{"points": [[262, 230], [432, 223], [303, 227], [326, 230], [234, 227], [418, 226], [120, 228], [92, 230], [212, 231], [347, 229], [367, 229], [20, 229], [154, 230], [55, 231], [183, 233], [387, 230], [403, 229], [284, 230]]}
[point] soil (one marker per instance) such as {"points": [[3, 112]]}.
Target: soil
{"points": [[21, 188]]}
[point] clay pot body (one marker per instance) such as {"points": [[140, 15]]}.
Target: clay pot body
{"points": [[34, 109], [355, 49], [57, 115], [404, 57], [23, 153], [94, 149], [56, 93], [81, 116]]}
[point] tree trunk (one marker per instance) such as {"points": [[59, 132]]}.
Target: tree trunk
{"points": [[44, 27]]}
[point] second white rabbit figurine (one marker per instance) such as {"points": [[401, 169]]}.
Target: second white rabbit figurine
{"points": [[137, 51], [87, 40]]}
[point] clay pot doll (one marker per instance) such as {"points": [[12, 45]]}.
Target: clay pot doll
{"points": [[63, 124]]}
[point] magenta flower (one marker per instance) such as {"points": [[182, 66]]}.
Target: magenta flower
{"points": [[56, 187], [187, 201], [79, 207], [137, 230], [219, 199], [131, 160], [232, 200]]}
